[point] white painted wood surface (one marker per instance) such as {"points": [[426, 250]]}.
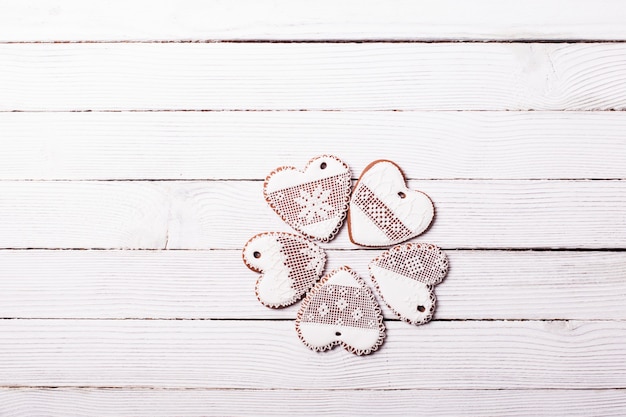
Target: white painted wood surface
{"points": [[128, 134], [145, 20], [242, 354], [216, 145], [225, 214], [313, 76], [198, 403], [116, 284]]}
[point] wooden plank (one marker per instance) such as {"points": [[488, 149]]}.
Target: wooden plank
{"points": [[84, 214], [243, 145], [70, 20], [296, 76], [261, 354], [197, 403], [216, 285], [225, 214]]}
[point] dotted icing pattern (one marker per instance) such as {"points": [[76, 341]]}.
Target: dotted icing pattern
{"points": [[380, 214], [298, 263], [329, 294], [418, 261], [383, 211], [341, 305], [312, 202], [303, 259], [421, 262]]}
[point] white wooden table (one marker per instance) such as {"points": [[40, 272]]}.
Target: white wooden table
{"points": [[134, 138]]}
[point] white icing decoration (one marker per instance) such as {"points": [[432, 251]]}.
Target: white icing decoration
{"points": [[290, 266], [341, 304], [319, 335], [275, 286], [363, 230], [323, 309], [404, 295], [319, 229], [291, 177], [343, 277], [415, 210], [314, 203], [329, 316], [275, 289], [269, 248], [316, 263]]}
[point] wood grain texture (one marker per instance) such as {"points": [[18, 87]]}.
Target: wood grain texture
{"points": [[216, 285], [244, 145], [154, 91], [71, 20], [295, 76], [200, 403], [258, 354], [225, 214]]}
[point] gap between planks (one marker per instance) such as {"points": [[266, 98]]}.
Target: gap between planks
{"points": [[269, 389], [325, 41], [387, 320], [261, 180], [607, 249], [298, 110]]}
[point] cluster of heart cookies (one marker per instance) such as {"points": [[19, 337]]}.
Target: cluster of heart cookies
{"points": [[339, 308]]}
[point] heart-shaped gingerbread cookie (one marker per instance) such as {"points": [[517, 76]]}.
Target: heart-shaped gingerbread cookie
{"points": [[383, 211], [341, 310], [313, 201], [405, 276], [290, 264]]}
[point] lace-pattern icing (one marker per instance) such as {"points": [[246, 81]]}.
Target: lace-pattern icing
{"points": [[405, 276], [305, 261], [380, 214], [313, 201], [341, 305], [341, 309], [422, 262], [383, 211], [290, 265]]}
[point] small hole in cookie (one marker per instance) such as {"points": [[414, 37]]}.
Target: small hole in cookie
{"points": [[323, 165], [421, 309], [401, 194], [337, 333], [257, 255]]}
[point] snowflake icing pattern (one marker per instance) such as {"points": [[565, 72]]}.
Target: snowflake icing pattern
{"points": [[314, 204]]}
